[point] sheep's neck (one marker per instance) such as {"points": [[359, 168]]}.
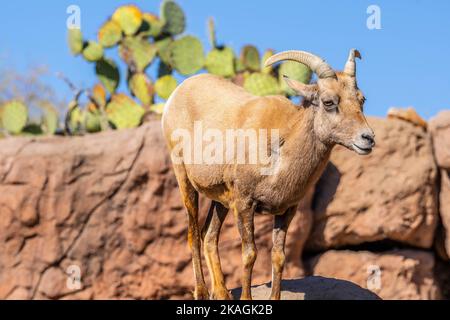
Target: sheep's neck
{"points": [[303, 155]]}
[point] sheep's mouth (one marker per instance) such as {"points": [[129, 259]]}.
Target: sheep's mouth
{"points": [[361, 150]]}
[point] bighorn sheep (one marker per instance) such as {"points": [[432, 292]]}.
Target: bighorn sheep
{"points": [[330, 114]]}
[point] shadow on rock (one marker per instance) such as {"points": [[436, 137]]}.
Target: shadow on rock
{"points": [[313, 288]]}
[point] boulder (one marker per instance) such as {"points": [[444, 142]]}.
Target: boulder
{"points": [[100, 217], [396, 274], [444, 210], [312, 288], [440, 130], [390, 194]]}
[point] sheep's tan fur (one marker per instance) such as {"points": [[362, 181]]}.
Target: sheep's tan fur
{"points": [[307, 136]]}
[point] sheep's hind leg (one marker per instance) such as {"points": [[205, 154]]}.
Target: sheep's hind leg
{"points": [[280, 228], [211, 231], [190, 199]]}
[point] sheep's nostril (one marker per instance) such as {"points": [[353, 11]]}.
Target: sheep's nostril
{"points": [[368, 138]]}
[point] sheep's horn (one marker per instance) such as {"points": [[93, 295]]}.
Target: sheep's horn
{"points": [[317, 64], [350, 66]]}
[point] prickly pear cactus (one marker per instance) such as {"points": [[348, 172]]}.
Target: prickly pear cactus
{"points": [[108, 74], [186, 55], [137, 53], [129, 18], [75, 40], [163, 49], [14, 116], [142, 88], [164, 86], [221, 62], [250, 58], [123, 112], [74, 121], [50, 120], [173, 17], [157, 108], [261, 84], [212, 33], [109, 34], [151, 26], [293, 70], [99, 95], [267, 54], [93, 51], [92, 121]]}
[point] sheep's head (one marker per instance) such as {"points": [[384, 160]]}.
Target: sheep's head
{"points": [[336, 99]]}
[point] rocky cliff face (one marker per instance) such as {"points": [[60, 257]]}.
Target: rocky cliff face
{"points": [[101, 217]]}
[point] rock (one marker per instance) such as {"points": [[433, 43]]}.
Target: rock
{"points": [[390, 194], [408, 114], [312, 288], [109, 205], [442, 274], [396, 274], [444, 211], [440, 130]]}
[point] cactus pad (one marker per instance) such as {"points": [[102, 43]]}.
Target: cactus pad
{"points": [[173, 17], [157, 108], [14, 116], [261, 84], [163, 47], [74, 118], [212, 33], [250, 58], [293, 70], [75, 40], [123, 112], [93, 51], [99, 95], [151, 26], [137, 53], [50, 119], [109, 34], [186, 55], [129, 18], [108, 74], [141, 87], [267, 54], [92, 121], [220, 62], [164, 86]]}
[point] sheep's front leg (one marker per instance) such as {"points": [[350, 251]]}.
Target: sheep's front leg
{"points": [[280, 228], [244, 217]]}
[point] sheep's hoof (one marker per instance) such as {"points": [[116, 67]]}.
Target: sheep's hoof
{"points": [[201, 293], [221, 295]]}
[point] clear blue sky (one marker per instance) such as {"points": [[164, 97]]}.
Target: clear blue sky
{"points": [[404, 64]]}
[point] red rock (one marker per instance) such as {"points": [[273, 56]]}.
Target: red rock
{"points": [[440, 130], [397, 274], [390, 194]]}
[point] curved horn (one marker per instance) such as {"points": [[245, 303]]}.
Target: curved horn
{"points": [[350, 66], [317, 64]]}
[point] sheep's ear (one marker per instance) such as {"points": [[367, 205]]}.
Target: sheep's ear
{"points": [[308, 91]]}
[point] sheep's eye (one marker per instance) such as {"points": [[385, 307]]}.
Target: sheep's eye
{"points": [[329, 105]]}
